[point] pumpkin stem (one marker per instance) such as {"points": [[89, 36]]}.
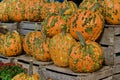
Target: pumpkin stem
{"points": [[81, 39], [30, 71], [43, 35], [12, 60], [64, 30], [95, 7]]}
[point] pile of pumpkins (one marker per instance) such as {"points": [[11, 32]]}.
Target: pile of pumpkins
{"points": [[68, 37]]}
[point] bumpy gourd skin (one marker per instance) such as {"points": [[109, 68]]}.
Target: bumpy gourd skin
{"points": [[36, 45], [11, 44], [89, 23], [20, 10], [111, 11], [86, 59], [60, 46], [23, 76], [53, 25]]}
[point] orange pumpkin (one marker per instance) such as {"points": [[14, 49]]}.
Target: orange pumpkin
{"points": [[36, 44], [24, 76], [86, 56], [88, 22], [11, 44], [111, 11], [59, 47], [53, 24]]}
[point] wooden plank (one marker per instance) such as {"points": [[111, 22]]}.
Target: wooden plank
{"points": [[117, 44], [116, 69], [9, 26], [29, 25], [103, 73], [113, 26], [24, 32], [27, 58], [4, 59], [117, 60], [116, 77], [26, 65], [107, 37], [108, 78], [117, 31], [58, 73], [108, 55]]}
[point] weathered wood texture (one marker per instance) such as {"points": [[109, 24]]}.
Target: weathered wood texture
{"points": [[9, 26], [110, 41], [26, 59], [116, 77], [57, 73], [26, 26], [116, 69]]}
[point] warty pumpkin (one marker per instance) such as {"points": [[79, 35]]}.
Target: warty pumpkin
{"points": [[89, 22], [24, 76], [11, 44], [111, 11], [53, 25], [85, 56], [21, 10], [36, 44], [59, 47]]}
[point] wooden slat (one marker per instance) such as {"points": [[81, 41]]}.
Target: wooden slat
{"points": [[113, 26], [117, 44], [117, 60], [58, 73], [4, 59], [108, 78], [24, 32], [116, 77], [26, 58], [63, 70], [26, 65], [29, 25], [116, 69], [9, 26], [117, 31], [107, 37], [108, 55]]}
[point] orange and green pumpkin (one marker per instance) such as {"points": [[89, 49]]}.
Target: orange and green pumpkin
{"points": [[11, 44], [111, 11], [53, 24], [88, 22], [59, 47], [49, 8], [24, 76], [36, 44], [86, 56], [88, 4]]}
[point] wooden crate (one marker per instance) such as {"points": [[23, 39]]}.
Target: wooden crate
{"points": [[23, 58], [116, 72], [26, 26], [58, 73], [110, 41], [116, 77], [10, 26]]}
